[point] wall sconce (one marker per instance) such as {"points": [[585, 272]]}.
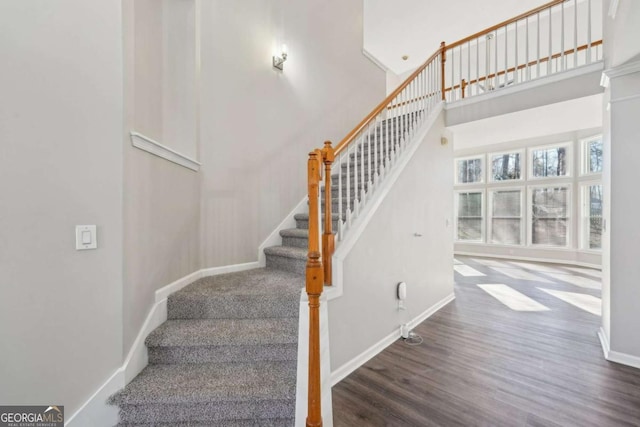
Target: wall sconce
{"points": [[278, 61]]}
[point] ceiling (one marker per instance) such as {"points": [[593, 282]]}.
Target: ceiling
{"points": [[416, 27]]}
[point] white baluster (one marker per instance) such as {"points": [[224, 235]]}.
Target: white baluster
{"points": [[538, 45], [550, 46], [562, 62], [588, 32], [506, 59], [478, 65], [528, 74], [371, 172], [516, 64], [348, 177], [575, 33]]}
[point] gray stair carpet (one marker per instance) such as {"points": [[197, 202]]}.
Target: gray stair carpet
{"points": [[227, 354]]}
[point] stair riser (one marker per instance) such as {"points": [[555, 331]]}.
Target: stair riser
{"points": [[296, 242], [231, 307], [207, 411], [304, 224], [250, 353], [292, 265]]}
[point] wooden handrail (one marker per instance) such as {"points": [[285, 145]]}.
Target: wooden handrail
{"points": [[314, 284], [505, 23], [529, 64], [381, 107]]}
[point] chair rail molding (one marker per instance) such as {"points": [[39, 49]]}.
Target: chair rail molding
{"points": [[147, 144]]}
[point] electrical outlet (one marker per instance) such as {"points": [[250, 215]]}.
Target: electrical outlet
{"points": [[404, 330]]}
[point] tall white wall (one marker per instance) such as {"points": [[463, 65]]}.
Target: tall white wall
{"points": [[161, 199], [388, 252], [60, 166], [258, 124]]}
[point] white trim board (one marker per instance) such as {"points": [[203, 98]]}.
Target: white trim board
{"points": [[532, 259], [147, 144], [614, 356], [366, 215], [343, 371]]}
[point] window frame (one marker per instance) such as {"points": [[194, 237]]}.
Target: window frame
{"points": [[569, 242], [483, 217], [585, 157], [568, 145], [523, 166], [489, 215], [584, 224], [483, 166]]}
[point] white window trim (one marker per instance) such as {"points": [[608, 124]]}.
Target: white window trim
{"points": [[483, 166], [489, 219], [569, 242], [584, 156], [567, 144], [583, 240], [523, 166], [483, 212]]}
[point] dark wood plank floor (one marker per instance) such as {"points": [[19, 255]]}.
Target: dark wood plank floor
{"points": [[484, 364]]}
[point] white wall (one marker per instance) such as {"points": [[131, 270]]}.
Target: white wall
{"points": [[622, 131], [259, 124], [161, 199], [388, 252], [60, 165]]}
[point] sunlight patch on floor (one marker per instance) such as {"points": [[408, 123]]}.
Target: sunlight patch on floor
{"points": [[580, 281], [456, 262], [515, 273], [584, 302], [512, 298], [467, 271]]}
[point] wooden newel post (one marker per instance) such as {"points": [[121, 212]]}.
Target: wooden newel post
{"points": [[443, 53], [314, 284], [328, 239]]}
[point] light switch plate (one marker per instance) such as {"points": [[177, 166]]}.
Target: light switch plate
{"points": [[86, 237]]}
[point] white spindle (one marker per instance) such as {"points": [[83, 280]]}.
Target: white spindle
{"points": [[477, 65], [348, 178], [575, 33], [506, 59], [538, 45], [550, 46], [528, 72], [362, 174], [588, 31], [451, 60], [495, 68], [368, 190], [515, 65], [562, 64], [469, 66]]}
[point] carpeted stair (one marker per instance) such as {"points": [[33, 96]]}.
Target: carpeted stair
{"points": [[227, 354]]}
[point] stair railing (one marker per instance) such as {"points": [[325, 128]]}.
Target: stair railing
{"points": [[552, 38], [555, 37]]}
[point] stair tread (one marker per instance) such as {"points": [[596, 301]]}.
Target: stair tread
{"points": [[259, 281], [227, 332], [295, 232], [287, 252], [210, 382], [266, 422]]}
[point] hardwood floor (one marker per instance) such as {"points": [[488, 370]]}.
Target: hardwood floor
{"points": [[485, 364]]}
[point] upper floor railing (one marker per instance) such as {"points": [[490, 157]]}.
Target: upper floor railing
{"points": [[555, 37]]}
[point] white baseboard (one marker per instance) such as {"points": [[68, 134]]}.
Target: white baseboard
{"points": [[614, 356], [95, 412], [344, 370], [530, 259]]}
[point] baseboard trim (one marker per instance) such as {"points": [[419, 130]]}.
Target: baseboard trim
{"points": [[95, 412], [532, 259], [344, 370], [614, 356]]}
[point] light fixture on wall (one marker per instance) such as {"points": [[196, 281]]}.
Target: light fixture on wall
{"points": [[278, 61]]}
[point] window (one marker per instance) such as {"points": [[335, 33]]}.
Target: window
{"points": [[550, 216], [469, 221], [592, 216], [469, 170], [550, 161], [506, 217], [506, 166], [592, 155]]}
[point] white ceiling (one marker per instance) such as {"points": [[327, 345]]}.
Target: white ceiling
{"points": [[393, 28]]}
